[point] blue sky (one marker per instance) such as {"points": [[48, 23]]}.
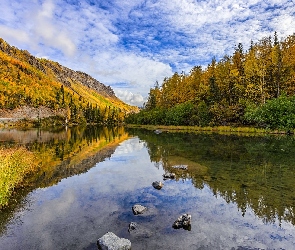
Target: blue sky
{"points": [[130, 45]]}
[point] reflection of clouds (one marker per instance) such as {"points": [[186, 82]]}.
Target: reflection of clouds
{"points": [[128, 158], [130, 146], [57, 207], [54, 205]]}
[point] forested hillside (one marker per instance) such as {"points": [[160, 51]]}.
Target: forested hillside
{"points": [[27, 81], [252, 87]]}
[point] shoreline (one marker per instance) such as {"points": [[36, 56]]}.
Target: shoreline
{"points": [[218, 129]]}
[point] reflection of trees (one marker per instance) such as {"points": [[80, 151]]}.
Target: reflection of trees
{"points": [[63, 157], [76, 138], [253, 172]]}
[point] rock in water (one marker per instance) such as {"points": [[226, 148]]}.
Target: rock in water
{"points": [[157, 184], [110, 241], [139, 231], [138, 209], [184, 221], [169, 176], [132, 226], [182, 167]]}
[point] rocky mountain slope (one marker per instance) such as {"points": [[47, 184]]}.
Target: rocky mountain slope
{"points": [[62, 74], [32, 85]]}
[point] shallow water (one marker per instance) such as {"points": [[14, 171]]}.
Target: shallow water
{"points": [[239, 191]]}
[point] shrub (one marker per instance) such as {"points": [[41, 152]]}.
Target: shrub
{"points": [[277, 113], [180, 114]]}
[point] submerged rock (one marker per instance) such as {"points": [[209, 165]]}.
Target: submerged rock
{"points": [[157, 131], [169, 176], [183, 167], [157, 184], [139, 231], [132, 226], [184, 221], [138, 209], [110, 241]]}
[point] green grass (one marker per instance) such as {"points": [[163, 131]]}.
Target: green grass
{"points": [[217, 129], [15, 165]]}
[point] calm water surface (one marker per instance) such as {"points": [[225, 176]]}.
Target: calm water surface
{"points": [[240, 191]]}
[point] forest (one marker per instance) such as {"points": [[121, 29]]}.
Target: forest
{"points": [[253, 87]]}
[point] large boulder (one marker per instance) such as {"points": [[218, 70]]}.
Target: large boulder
{"points": [[138, 209], [157, 184], [110, 241]]}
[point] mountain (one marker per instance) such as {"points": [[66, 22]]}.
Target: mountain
{"points": [[37, 88]]}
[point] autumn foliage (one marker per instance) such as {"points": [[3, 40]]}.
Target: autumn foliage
{"points": [[246, 82]]}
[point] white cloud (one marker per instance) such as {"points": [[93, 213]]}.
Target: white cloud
{"points": [[135, 43], [129, 97], [50, 32], [32, 24], [284, 24], [13, 34]]}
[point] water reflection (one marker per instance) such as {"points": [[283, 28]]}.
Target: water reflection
{"points": [[64, 153], [253, 172], [234, 188], [27, 136]]}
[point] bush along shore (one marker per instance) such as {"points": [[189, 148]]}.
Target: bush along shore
{"points": [[15, 165], [276, 115]]}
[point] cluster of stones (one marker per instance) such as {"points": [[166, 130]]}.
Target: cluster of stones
{"points": [[169, 176], [112, 242], [184, 221]]}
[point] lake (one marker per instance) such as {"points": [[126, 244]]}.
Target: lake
{"points": [[239, 190]]}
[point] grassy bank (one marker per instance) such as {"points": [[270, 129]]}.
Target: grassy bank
{"points": [[217, 129], [15, 165]]}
